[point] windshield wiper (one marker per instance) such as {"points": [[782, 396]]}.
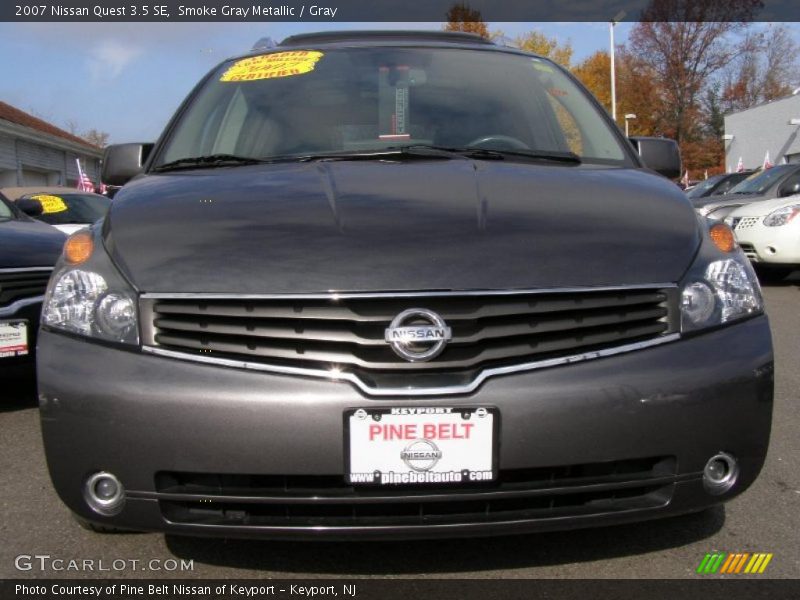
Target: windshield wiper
{"points": [[391, 153], [210, 161], [495, 154], [410, 152], [428, 151]]}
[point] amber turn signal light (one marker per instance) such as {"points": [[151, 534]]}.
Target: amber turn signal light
{"points": [[722, 236], [78, 248]]}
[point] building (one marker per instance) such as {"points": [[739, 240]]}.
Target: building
{"points": [[34, 152], [772, 127]]}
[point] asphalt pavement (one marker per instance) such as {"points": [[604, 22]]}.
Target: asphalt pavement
{"points": [[766, 518]]}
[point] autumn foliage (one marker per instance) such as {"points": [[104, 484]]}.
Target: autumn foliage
{"points": [[686, 63], [461, 17]]}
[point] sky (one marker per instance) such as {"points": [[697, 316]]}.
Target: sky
{"points": [[128, 78]]}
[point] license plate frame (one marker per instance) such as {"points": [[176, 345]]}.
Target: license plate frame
{"points": [[419, 466], [13, 343]]}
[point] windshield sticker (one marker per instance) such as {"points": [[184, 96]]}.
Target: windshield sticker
{"points": [[542, 67], [269, 66], [50, 204], [558, 92]]}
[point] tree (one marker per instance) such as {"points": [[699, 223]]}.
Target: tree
{"points": [[594, 73], [638, 92], [538, 43], [765, 71], [461, 17], [97, 138], [685, 43]]}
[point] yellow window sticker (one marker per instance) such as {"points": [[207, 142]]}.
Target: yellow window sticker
{"points": [[269, 66], [539, 66], [50, 204]]}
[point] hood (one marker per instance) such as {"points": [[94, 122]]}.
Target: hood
{"points": [[711, 203], [29, 243], [764, 207], [421, 225]]}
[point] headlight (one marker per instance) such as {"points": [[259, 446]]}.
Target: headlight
{"points": [[781, 216], [721, 287], [91, 298]]}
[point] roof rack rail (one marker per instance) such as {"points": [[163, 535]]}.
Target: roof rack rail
{"points": [[333, 37]]}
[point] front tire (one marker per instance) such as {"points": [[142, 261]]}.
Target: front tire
{"points": [[773, 274]]}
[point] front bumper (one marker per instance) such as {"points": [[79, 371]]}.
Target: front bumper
{"points": [[145, 418], [770, 245]]}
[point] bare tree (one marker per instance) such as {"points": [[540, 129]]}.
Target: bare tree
{"points": [[98, 138], [766, 70], [72, 126]]}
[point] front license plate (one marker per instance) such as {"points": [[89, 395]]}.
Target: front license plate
{"points": [[13, 338], [421, 446]]}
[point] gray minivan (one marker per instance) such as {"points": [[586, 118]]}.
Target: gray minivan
{"points": [[392, 284]]}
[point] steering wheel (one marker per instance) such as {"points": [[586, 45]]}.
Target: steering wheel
{"points": [[495, 140]]}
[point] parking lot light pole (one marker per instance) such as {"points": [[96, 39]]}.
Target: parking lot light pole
{"points": [[628, 117], [619, 16]]}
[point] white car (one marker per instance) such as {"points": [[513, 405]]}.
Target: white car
{"points": [[769, 232]]}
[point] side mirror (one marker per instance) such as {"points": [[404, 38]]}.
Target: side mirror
{"points": [[659, 154], [123, 162], [31, 207]]}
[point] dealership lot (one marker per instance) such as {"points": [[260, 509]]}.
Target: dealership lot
{"points": [[766, 518]]}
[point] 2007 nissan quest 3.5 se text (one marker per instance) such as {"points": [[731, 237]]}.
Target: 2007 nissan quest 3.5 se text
{"points": [[373, 285]]}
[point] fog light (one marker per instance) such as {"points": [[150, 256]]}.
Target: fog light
{"points": [[720, 473], [104, 493]]}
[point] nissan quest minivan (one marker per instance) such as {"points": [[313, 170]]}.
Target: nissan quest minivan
{"points": [[393, 284]]}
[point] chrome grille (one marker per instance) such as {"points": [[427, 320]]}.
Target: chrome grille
{"points": [[16, 284], [347, 333]]}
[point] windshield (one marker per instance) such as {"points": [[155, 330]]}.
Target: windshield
{"points": [[701, 188], [296, 103], [761, 181], [5, 210], [64, 209]]}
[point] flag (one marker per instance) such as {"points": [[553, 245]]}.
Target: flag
{"points": [[84, 182], [767, 163], [685, 180], [740, 165]]}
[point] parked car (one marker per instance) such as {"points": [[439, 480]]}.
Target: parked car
{"points": [[715, 185], [28, 251], [777, 182], [64, 208], [769, 234], [373, 285]]}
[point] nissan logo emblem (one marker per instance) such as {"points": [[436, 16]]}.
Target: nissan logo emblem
{"points": [[418, 334], [421, 455]]}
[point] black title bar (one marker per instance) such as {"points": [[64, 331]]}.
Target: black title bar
{"points": [[397, 589], [333, 11]]}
